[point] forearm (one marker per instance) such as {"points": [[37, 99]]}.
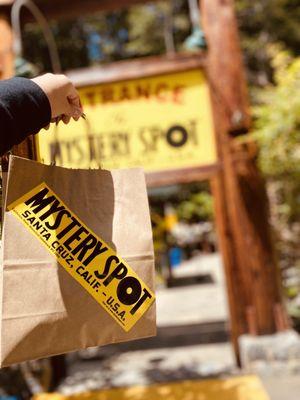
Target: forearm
{"points": [[24, 110]]}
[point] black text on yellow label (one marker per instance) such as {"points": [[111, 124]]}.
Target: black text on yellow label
{"points": [[84, 255]]}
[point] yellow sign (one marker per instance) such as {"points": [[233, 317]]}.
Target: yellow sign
{"points": [[247, 387], [85, 256], [160, 123]]}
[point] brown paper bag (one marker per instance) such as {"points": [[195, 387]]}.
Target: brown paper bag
{"points": [[51, 306]]}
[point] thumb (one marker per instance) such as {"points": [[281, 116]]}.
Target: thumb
{"points": [[72, 109], [74, 100], [76, 107]]}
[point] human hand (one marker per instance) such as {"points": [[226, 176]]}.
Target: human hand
{"points": [[63, 97]]}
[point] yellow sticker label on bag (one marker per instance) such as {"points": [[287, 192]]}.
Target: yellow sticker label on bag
{"points": [[84, 255]]}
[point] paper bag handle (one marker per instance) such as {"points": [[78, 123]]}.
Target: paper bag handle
{"points": [[56, 150]]}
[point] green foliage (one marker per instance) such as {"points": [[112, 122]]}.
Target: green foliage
{"points": [[70, 41], [136, 31], [270, 39], [277, 128], [265, 22], [145, 29], [192, 202], [261, 22], [198, 207]]}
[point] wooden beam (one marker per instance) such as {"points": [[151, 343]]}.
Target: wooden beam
{"points": [[6, 49], [183, 175], [137, 68], [64, 9], [61, 9], [241, 202]]}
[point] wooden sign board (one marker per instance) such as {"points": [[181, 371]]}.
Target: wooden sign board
{"points": [[162, 123]]}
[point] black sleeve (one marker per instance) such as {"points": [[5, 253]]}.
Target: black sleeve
{"points": [[24, 110]]}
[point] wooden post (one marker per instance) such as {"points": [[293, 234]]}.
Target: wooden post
{"points": [[6, 50], [27, 148], [240, 198], [6, 62]]}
